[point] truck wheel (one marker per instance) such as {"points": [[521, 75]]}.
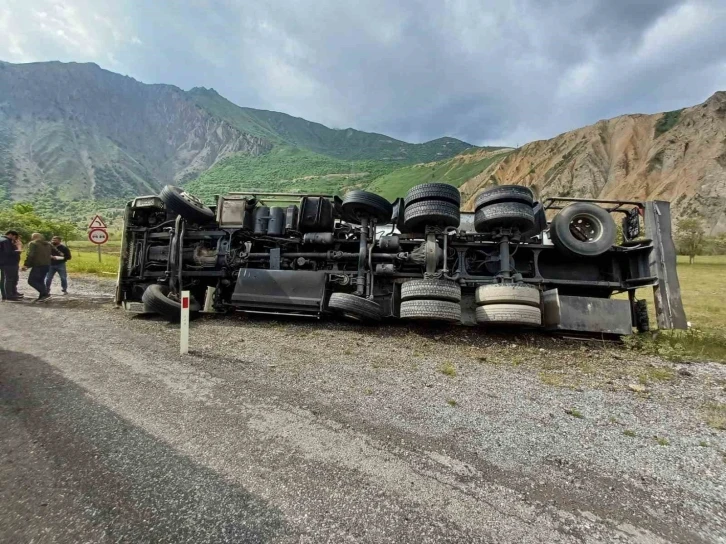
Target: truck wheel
{"points": [[358, 204], [434, 213], [431, 310], [504, 215], [355, 307], [508, 314], [431, 290], [505, 193], [188, 206], [156, 300], [583, 230], [502, 293], [433, 191]]}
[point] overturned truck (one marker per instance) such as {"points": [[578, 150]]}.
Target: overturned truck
{"points": [[515, 261]]}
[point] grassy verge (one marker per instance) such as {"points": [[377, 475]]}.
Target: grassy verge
{"points": [[85, 258], [703, 290]]}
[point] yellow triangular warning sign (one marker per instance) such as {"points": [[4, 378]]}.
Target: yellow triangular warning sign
{"points": [[97, 223]]}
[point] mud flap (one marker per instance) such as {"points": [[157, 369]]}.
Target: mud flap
{"points": [[551, 308]]}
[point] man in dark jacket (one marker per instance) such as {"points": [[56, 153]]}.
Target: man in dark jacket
{"points": [[59, 257], [10, 249], [38, 260]]}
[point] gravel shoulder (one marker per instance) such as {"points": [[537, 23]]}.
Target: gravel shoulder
{"points": [[319, 431]]}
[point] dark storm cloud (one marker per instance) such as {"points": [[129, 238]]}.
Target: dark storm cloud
{"points": [[482, 71]]}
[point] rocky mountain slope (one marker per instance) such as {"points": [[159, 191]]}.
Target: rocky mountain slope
{"points": [[677, 156], [82, 132], [346, 144], [87, 133]]}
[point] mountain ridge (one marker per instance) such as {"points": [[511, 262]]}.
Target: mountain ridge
{"points": [[74, 131], [679, 156], [79, 131]]}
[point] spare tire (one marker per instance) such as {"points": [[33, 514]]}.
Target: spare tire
{"points": [[505, 193], [156, 300], [504, 215], [583, 230], [358, 204], [434, 213], [188, 206], [355, 307], [433, 191], [431, 289]]}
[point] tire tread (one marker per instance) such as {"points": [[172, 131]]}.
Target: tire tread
{"points": [[431, 289]]}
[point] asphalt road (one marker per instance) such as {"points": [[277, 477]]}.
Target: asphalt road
{"points": [[295, 432]]}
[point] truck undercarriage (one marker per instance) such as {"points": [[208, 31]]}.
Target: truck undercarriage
{"points": [[420, 257]]}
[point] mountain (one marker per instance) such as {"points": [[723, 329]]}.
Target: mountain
{"points": [[76, 131], [679, 156], [455, 171], [88, 133], [73, 132], [346, 144]]}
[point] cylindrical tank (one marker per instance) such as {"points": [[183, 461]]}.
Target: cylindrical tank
{"points": [[276, 226], [389, 243], [260, 218]]}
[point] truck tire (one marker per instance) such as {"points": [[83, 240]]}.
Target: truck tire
{"points": [[431, 289], [355, 307], [156, 300], [359, 204], [505, 193], [188, 206], [583, 230], [504, 215], [434, 213], [508, 314], [431, 310], [433, 191], [502, 293]]}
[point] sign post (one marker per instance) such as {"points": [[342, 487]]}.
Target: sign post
{"points": [[184, 340], [97, 233]]}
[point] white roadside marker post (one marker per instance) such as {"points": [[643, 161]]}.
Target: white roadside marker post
{"points": [[184, 322]]}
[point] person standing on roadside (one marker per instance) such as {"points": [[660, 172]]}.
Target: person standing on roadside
{"points": [[60, 255], [10, 249], [38, 260]]}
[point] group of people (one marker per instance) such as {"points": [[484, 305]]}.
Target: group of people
{"points": [[43, 259]]}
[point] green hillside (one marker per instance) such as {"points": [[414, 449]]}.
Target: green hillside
{"points": [[287, 169], [453, 171], [346, 144]]}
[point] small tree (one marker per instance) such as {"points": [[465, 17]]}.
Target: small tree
{"points": [[690, 237]]}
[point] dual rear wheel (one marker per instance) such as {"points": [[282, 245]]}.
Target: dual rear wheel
{"points": [[508, 304], [431, 300]]}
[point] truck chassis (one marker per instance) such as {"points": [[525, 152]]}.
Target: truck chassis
{"points": [[551, 265]]}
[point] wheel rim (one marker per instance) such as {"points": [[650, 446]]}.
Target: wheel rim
{"points": [[586, 228], [191, 199]]}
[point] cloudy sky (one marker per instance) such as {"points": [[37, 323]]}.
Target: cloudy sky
{"points": [[497, 71]]}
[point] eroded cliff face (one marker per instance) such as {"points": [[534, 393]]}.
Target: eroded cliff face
{"points": [[91, 133], [675, 156]]}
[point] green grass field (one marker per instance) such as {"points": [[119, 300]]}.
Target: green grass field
{"points": [[85, 258], [703, 290]]}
